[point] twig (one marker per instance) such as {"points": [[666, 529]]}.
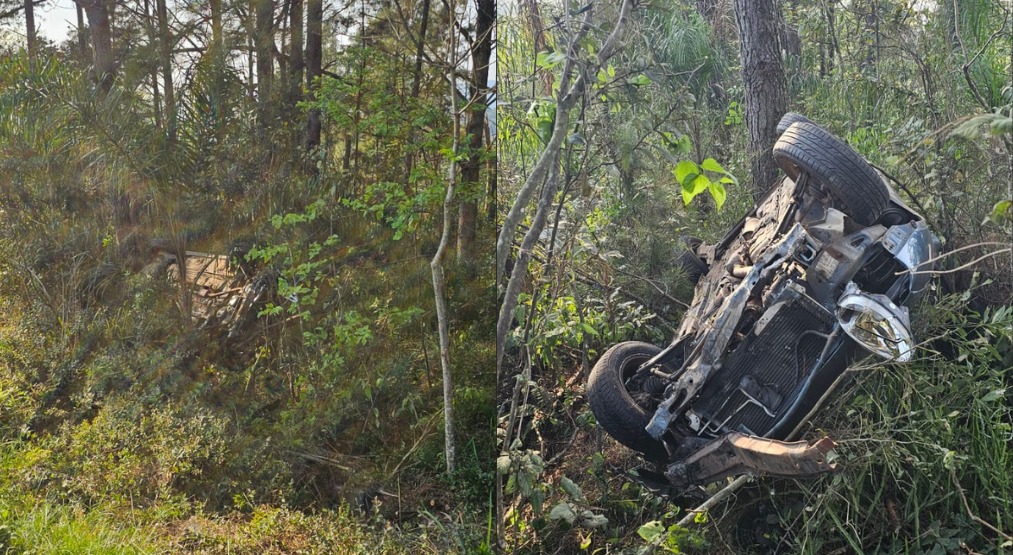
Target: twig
{"points": [[649, 281], [967, 507], [958, 268], [714, 500]]}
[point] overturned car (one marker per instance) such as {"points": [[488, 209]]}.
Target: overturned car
{"points": [[817, 275]]}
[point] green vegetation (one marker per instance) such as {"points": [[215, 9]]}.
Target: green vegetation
{"points": [[128, 426], [922, 92]]}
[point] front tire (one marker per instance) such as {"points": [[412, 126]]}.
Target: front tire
{"points": [[613, 404]]}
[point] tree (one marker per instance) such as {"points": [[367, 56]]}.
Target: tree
{"points": [[296, 64], [263, 39], [30, 26], [104, 65], [314, 62], [763, 80], [165, 58], [481, 51]]}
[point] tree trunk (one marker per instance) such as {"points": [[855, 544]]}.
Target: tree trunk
{"points": [[314, 62], [104, 65], [30, 27], [480, 54], [156, 98], [537, 30], [409, 158], [442, 312], [763, 78], [264, 41], [216, 24], [165, 55], [295, 54], [439, 281], [82, 42]]}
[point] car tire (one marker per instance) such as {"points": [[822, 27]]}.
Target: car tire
{"points": [[687, 260], [837, 168], [613, 405], [788, 119]]}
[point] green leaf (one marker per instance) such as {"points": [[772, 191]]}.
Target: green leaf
{"points": [[684, 169], [994, 395], [711, 164], [640, 80], [549, 60], [1001, 126], [590, 520], [651, 531], [717, 191], [503, 463], [537, 500], [1001, 212], [970, 129], [700, 184], [571, 488], [693, 186], [563, 511]]}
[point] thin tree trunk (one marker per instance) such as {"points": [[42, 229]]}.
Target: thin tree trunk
{"points": [[156, 98], [264, 41], [82, 42], [104, 65], [537, 29], [251, 30], [470, 168], [314, 59], [409, 159], [296, 54], [165, 56], [216, 24], [546, 167], [30, 27], [491, 176], [439, 281], [763, 77]]}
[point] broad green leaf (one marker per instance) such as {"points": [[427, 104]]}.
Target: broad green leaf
{"points": [[711, 164], [537, 500], [994, 395], [503, 463], [685, 168], [563, 511], [571, 488], [549, 60], [683, 145], [651, 531], [700, 184], [1001, 212], [640, 80], [590, 520], [718, 192]]}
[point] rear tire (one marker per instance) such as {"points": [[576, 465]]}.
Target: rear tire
{"points": [[837, 168], [688, 261], [612, 403], [788, 119]]}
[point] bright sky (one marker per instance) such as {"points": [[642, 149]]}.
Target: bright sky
{"points": [[55, 19]]}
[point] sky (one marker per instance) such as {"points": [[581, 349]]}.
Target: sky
{"points": [[55, 19]]}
